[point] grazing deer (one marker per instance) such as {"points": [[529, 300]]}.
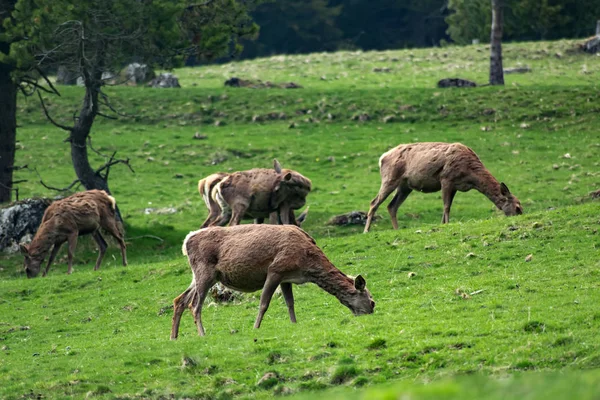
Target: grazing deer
{"points": [[248, 258], [64, 220], [430, 167], [257, 193]]}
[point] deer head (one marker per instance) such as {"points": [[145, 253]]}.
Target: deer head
{"points": [[512, 205], [32, 264], [361, 301], [291, 186]]}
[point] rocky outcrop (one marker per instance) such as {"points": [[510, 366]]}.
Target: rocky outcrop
{"points": [[19, 222]]}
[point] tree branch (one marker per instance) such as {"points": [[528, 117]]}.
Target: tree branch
{"points": [[45, 77], [61, 126], [76, 181]]}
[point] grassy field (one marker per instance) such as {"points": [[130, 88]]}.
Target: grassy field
{"points": [[460, 312]]}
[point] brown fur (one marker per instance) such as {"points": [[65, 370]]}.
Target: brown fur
{"points": [[253, 257], [431, 167], [64, 220], [257, 194]]}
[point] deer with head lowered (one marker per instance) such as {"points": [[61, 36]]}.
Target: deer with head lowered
{"points": [[257, 194], [66, 219], [431, 167], [248, 258]]}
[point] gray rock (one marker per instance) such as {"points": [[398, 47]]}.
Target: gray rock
{"points": [[136, 73], [592, 45], [455, 82], [166, 80], [19, 222], [517, 70], [65, 76]]}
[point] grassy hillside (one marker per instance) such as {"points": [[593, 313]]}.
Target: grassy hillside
{"points": [[472, 304]]}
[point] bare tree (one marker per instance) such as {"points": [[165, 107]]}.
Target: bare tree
{"points": [[496, 71], [8, 112]]}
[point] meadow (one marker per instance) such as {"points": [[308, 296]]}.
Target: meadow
{"points": [[486, 306]]}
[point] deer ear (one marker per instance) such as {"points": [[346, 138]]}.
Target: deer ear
{"points": [[277, 166], [360, 283], [287, 176], [24, 250], [504, 189]]}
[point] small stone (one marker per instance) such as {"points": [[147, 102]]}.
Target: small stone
{"points": [[150, 159], [293, 125], [471, 255], [178, 176], [411, 274], [198, 136], [567, 155], [555, 166], [524, 125], [529, 258]]}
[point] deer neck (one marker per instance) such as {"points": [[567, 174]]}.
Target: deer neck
{"points": [[333, 281], [490, 187], [42, 242]]}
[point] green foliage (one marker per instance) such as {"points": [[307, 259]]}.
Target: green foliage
{"points": [[532, 333], [523, 19], [118, 32], [295, 26]]}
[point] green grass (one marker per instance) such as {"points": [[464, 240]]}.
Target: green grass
{"points": [[528, 332]]}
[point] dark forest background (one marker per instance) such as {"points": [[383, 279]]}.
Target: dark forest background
{"points": [[305, 26]]}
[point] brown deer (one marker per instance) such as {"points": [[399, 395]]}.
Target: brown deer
{"points": [[64, 220], [248, 258], [257, 193], [430, 167]]}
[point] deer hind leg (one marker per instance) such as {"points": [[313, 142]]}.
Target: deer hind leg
{"points": [[448, 193], [203, 284], [180, 303], [259, 220], [237, 214], [273, 280], [288, 295], [386, 189], [213, 214], [52, 256], [110, 225], [396, 202], [102, 246], [72, 239]]}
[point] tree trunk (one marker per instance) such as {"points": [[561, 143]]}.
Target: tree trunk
{"points": [[8, 127], [496, 72], [79, 152]]}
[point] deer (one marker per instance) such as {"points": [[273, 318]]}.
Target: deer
{"points": [[248, 258], [257, 193], [431, 167], [64, 220]]}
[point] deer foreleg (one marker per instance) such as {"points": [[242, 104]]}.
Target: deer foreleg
{"points": [[384, 192], [52, 256], [448, 193], [102, 246], [72, 239]]}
